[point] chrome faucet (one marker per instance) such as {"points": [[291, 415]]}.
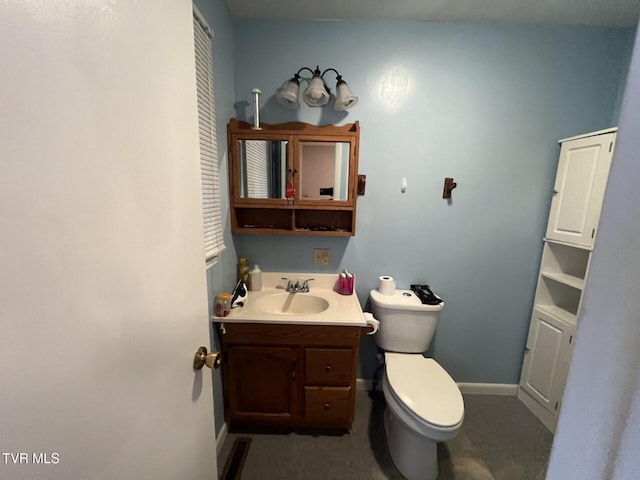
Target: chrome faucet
{"points": [[290, 285], [305, 285], [294, 286]]}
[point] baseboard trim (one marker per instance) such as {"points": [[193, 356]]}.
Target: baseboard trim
{"points": [[504, 389], [221, 437], [364, 384]]}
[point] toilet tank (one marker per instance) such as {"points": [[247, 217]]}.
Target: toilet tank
{"points": [[406, 324]]}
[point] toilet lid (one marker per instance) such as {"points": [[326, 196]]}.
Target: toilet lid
{"points": [[425, 388]]}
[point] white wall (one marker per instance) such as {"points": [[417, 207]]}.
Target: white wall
{"points": [[598, 434], [102, 284]]}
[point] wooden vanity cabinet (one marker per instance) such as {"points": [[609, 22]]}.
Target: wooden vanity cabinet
{"points": [[293, 376]]}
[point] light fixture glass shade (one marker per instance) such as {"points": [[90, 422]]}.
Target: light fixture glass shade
{"points": [[316, 94], [344, 96], [288, 96]]}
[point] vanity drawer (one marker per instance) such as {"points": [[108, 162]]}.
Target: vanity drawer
{"points": [[328, 366], [327, 404]]}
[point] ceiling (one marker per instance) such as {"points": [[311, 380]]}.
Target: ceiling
{"points": [[618, 13]]}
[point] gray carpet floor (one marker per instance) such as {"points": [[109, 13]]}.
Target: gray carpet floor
{"points": [[500, 440]]}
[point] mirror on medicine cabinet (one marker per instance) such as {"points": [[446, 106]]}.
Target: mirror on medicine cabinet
{"points": [[263, 168], [323, 171], [293, 178]]}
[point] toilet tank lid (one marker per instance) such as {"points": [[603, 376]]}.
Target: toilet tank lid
{"points": [[402, 300]]}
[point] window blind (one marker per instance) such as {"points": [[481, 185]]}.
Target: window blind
{"points": [[258, 161], [213, 234]]}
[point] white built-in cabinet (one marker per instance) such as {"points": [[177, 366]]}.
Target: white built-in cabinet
{"points": [[578, 193]]}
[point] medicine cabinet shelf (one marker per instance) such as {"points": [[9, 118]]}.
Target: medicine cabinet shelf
{"points": [[292, 220]]}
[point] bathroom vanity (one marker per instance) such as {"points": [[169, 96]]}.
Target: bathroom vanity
{"points": [[289, 375], [290, 359]]}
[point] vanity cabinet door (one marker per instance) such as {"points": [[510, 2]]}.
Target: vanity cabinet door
{"points": [[261, 384]]}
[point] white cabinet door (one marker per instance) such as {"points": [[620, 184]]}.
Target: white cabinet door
{"points": [[546, 360], [579, 188]]}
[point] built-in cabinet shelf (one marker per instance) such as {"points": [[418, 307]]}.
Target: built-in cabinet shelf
{"points": [[568, 280], [579, 190], [563, 278]]}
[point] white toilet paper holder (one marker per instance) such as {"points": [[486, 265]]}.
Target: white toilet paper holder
{"points": [[371, 322]]}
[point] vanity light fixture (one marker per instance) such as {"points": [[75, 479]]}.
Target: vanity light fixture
{"points": [[317, 94]]}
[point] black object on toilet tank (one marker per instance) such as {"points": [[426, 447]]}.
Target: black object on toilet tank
{"points": [[425, 295]]}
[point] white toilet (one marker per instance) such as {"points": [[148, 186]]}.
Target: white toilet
{"points": [[424, 404]]}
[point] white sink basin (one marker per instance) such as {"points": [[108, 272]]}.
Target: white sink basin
{"points": [[323, 305], [292, 304]]}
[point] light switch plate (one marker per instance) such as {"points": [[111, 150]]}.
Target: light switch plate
{"points": [[321, 256]]}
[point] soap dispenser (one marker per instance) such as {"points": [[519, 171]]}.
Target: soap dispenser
{"points": [[243, 270], [255, 283]]}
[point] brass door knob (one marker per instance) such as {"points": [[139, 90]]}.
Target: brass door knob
{"points": [[202, 358]]}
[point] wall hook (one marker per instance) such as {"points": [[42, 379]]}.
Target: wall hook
{"points": [[362, 183], [449, 185]]}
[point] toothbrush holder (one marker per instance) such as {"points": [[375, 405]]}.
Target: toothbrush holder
{"points": [[346, 285]]}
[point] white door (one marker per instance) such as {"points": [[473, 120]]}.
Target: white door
{"points": [[546, 359], [102, 285], [579, 189]]}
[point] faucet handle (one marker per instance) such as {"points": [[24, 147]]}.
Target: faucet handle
{"points": [[305, 284], [290, 284]]}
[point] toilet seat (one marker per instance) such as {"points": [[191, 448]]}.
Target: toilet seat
{"points": [[424, 391]]}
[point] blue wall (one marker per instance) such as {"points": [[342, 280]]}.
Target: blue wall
{"points": [[626, 50], [484, 104]]}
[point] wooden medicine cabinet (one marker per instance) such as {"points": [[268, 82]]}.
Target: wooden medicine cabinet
{"points": [[321, 162]]}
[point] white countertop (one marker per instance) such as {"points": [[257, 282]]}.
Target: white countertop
{"points": [[343, 309]]}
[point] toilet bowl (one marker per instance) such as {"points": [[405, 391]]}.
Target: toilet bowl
{"points": [[423, 395], [424, 404]]}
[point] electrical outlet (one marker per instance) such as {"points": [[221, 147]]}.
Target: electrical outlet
{"points": [[321, 256]]}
